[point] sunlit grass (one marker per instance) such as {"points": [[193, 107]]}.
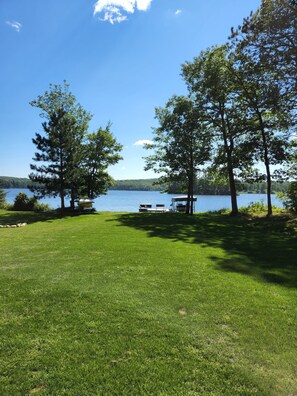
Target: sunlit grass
{"points": [[137, 304]]}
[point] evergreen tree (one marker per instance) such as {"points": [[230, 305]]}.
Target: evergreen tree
{"points": [[2, 197], [59, 150]]}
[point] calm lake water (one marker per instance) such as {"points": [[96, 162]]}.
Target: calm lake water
{"points": [[128, 201]]}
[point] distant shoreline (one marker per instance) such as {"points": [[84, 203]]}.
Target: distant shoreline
{"points": [[204, 188]]}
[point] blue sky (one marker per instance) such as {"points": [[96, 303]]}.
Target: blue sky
{"points": [[121, 58]]}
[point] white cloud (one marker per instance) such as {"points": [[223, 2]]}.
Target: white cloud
{"points": [[116, 10], [15, 25], [143, 142], [177, 12]]}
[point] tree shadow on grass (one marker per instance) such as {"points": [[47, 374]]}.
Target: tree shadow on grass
{"points": [[263, 248], [15, 217]]}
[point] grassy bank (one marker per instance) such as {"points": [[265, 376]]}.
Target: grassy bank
{"points": [[148, 304]]}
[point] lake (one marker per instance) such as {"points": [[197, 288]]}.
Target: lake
{"points": [[128, 201]]}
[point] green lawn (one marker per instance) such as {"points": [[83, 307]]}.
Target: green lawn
{"points": [[148, 304]]}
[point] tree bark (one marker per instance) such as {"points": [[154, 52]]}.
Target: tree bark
{"points": [[228, 151], [267, 164]]}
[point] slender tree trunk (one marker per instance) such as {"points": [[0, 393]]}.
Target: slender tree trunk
{"points": [[61, 175], [190, 186], [268, 175], [189, 209], [62, 198], [72, 201], [188, 198], [192, 194], [267, 164], [234, 206], [228, 151]]}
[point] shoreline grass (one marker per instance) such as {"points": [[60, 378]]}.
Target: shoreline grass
{"points": [[148, 304]]}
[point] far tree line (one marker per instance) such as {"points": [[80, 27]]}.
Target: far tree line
{"points": [[202, 186], [240, 110]]}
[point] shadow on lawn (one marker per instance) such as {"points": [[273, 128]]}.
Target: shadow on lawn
{"points": [[263, 248], [15, 217]]}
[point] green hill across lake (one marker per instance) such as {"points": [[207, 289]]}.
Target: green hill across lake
{"points": [[203, 187]]}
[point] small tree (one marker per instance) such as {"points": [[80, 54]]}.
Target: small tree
{"points": [[59, 155], [181, 145], [289, 198], [100, 151], [2, 198]]}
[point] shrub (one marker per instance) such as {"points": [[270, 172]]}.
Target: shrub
{"points": [[289, 198], [254, 207], [23, 203], [6, 206], [41, 207], [257, 208], [220, 211]]}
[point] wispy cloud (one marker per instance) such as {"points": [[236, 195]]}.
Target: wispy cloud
{"points": [[177, 12], [115, 11], [15, 25], [143, 142]]}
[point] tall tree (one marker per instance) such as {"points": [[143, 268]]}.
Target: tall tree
{"points": [[100, 151], [264, 108], [59, 150], [181, 145], [211, 84]]}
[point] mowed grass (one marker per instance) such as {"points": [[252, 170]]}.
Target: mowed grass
{"points": [[148, 304]]}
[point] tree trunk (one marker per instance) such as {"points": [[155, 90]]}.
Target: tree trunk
{"points": [[72, 202], [188, 198], [234, 206], [267, 164], [191, 194], [62, 201], [228, 151], [268, 175]]}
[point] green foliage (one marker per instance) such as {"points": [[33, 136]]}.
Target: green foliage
{"points": [[2, 198], [270, 33], [246, 90], [261, 187], [41, 207], [73, 162], [60, 150], [14, 182], [256, 208], [100, 151], [181, 145], [211, 83], [264, 56], [138, 185], [289, 198], [23, 203]]}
